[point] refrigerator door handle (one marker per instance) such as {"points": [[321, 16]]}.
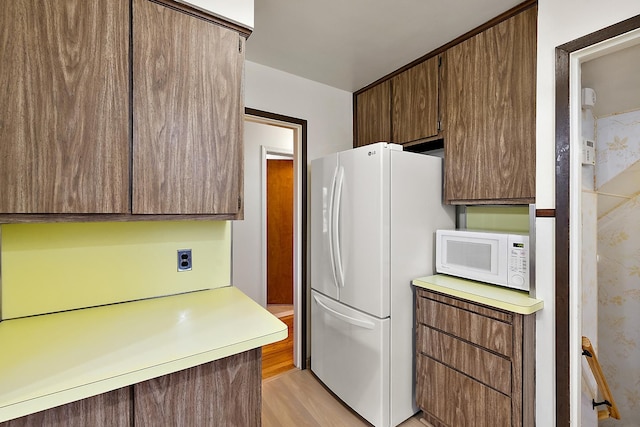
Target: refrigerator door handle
{"points": [[335, 230], [332, 203], [356, 322]]}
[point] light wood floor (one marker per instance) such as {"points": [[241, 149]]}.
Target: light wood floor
{"points": [[296, 398], [278, 357]]}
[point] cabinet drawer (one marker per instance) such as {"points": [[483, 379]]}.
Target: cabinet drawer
{"points": [[457, 400], [484, 331], [488, 368]]}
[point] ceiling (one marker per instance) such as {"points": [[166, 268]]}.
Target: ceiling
{"points": [[350, 44]]}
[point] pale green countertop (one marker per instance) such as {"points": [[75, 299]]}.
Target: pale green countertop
{"points": [[53, 359], [482, 293]]}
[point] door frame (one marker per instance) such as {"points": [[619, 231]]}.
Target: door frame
{"points": [[567, 212], [300, 296]]}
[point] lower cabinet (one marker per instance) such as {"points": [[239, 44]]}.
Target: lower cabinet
{"points": [[225, 392], [475, 364], [108, 409]]}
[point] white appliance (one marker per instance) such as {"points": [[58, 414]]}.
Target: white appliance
{"points": [[492, 257], [374, 212]]}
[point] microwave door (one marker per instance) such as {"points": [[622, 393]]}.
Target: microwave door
{"points": [[475, 258]]}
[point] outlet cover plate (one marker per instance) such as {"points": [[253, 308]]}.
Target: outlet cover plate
{"points": [[185, 262]]}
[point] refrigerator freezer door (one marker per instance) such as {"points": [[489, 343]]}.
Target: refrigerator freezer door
{"points": [[350, 355], [363, 228], [323, 179]]}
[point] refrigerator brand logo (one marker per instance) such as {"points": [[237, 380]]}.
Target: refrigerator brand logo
{"points": [[372, 153]]}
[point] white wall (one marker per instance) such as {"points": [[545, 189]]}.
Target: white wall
{"points": [[247, 234], [328, 110], [558, 22]]}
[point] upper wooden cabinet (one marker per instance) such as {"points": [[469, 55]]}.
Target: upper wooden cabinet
{"points": [[64, 126], [372, 115], [414, 111], [187, 113], [402, 109], [488, 84], [101, 117], [476, 95]]}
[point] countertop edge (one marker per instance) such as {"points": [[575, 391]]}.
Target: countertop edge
{"points": [[46, 401], [533, 305]]}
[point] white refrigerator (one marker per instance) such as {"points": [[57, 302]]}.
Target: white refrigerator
{"points": [[374, 212]]}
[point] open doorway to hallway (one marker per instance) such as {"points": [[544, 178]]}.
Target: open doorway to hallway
{"points": [[279, 216], [269, 245]]}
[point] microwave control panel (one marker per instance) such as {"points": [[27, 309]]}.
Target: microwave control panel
{"points": [[519, 262]]}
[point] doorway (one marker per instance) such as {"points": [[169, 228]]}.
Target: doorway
{"points": [[269, 138], [571, 237], [279, 220], [610, 121]]}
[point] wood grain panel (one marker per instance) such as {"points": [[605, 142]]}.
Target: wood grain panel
{"points": [[279, 231], [517, 402], [108, 409], [524, 372], [488, 85], [373, 115], [64, 85], [456, 399], [42, 218], [226, 392], [187, 113], [415, 102], [487, 368], [484, 331], [494, 313]]}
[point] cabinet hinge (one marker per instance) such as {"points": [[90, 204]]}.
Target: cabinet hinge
{"points": [[439, 125], [239, 202], [240, 45], [439, 61]]}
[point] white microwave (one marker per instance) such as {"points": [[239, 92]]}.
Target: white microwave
{"points": [[491, 257]]}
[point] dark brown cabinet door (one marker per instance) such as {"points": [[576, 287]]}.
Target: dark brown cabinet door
{"points": [[457, 399], [64, 85], [187, 113], [373, 115], [488, 85], [415, 102], [226, 392]]}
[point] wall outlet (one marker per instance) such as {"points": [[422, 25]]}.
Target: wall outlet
{"points": [[185, 263]]}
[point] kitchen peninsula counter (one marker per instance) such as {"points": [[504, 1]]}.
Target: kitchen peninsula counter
{"points": [[50, 360], [482, 293]]}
